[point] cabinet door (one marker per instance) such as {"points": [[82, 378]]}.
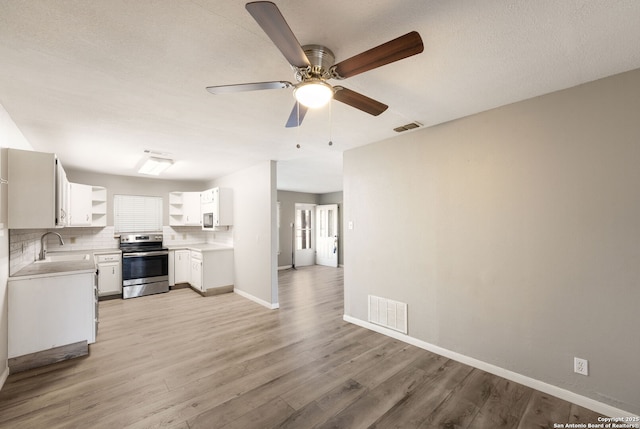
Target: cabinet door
{"points": [[196, 273], [182, 269], [32, 190], [191, 208], [223, 206], [217, 269], [80, 204], [109, 278], [62, 197], [49, 312]]}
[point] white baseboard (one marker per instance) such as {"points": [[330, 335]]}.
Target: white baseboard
{"points": [[256, 300], [341, 265], [4, 375], [285, 267], [583, 401]]}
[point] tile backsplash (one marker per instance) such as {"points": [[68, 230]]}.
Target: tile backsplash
{"points": [[24, 244], [178, 235]]}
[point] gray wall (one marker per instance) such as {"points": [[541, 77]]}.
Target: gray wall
{"points": [[513, 235], [131, 185], [288, 200]]}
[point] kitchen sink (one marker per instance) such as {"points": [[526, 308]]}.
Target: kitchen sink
{"points": [[65, 258]]}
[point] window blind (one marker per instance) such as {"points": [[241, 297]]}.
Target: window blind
{"points": [[136, 213]]}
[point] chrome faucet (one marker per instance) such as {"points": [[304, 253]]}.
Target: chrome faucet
{"points": [[43, 249]]}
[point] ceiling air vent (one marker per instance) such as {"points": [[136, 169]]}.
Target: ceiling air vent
{"points": [[408, 127]]}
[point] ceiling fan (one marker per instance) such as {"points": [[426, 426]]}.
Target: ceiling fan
{"points": [[314, 65]]}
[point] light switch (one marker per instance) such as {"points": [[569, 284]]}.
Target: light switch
{"points": [[350, 224]]}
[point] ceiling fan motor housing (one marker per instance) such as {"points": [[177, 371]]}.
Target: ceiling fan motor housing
{"points": [[321, 59]]}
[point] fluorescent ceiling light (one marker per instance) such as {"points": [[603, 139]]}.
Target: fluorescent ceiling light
{"points": [[154, 166], [313, 94]]}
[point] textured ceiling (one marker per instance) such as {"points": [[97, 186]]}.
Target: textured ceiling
{"points": [[100, 81]]}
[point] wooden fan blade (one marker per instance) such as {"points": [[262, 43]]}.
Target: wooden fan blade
{"points": [[297, 115], [394, 50], [359, 101], [242, 87], [268, 16]]}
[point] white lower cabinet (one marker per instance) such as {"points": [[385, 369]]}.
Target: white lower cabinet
{"points": [[182, 266], [211, 269], [203, 269], [109, 274], [48, 312], [196, 271]]}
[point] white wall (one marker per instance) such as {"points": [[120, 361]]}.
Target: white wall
{"points": [[514, 235], [10, 137], [254, 231]]}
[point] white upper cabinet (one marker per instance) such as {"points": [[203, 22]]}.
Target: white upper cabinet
{"points": [[36, 190], [219, 203], [99, 206], [80, 204], [191, 208], [40, 196], [184, 209]]}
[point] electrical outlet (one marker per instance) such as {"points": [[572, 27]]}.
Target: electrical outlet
{"points": [[580, 366]]}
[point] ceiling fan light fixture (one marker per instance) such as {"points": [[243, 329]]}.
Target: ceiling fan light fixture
{"points": [[313, 94]]}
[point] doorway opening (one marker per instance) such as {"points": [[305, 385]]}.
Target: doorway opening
{"points": [[315, 237]]}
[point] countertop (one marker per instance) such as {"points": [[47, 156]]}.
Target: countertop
{"points": [[202, 247], [61, 268]]}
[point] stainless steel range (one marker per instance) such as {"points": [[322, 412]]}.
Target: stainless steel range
{"points": [[145, 265]]}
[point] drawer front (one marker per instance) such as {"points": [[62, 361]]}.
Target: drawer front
{"points": [[109, 258]]}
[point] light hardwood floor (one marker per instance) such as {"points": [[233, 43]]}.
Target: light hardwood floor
{"points": [[179, 360]]}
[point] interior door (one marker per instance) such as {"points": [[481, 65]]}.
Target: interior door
{"points": [[305, 252], [327, 235]]}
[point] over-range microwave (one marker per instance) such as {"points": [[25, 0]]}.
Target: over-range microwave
{"points": [[207, 220]]}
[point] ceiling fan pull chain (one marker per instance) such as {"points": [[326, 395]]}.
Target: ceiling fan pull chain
{"points": [[298, 127], [330, 124]]}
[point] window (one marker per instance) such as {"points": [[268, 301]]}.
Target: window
{"points": [[135, 213], [303, 229], [326, 223]]}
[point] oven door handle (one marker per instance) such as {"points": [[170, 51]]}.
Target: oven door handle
{"points": [[138, 254]]}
